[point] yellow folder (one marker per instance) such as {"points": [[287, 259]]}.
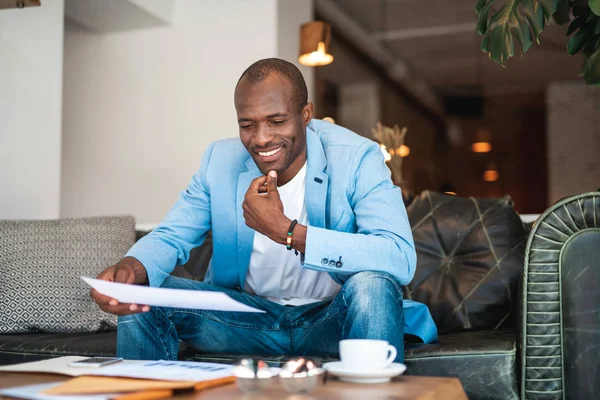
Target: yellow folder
{"points": [[104, 384]]}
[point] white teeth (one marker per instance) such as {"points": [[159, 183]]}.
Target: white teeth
{"points": [[269, 153]]}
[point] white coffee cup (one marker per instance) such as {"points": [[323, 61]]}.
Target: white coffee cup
{"points": [[366, 354]]}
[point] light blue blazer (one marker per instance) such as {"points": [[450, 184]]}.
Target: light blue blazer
{"points": [[357, 218]]}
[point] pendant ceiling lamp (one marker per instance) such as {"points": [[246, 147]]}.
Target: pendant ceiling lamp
{"points": [[315, 39], [19, 3]]}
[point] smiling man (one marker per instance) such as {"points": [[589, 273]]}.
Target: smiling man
{"points": [[306, 226]]}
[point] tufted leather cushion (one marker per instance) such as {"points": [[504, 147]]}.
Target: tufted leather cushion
{"points": [[469, 260], [471, 357]]}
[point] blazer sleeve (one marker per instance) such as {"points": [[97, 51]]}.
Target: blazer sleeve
{"points": [[184, 228], [383, 240]]}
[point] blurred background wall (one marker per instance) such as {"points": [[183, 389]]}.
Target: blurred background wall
{"points": [[106, 107], [31, 60]]}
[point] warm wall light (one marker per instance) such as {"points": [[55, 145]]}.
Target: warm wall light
{"points": [[329, 119], [491, 173], [315, 39], [482, 141]]}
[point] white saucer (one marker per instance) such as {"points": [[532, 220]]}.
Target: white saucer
{"points": [[381, 375]]}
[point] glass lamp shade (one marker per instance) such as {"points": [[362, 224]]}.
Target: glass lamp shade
{"points": [[491, 173], [315, 39], [482, 141]]}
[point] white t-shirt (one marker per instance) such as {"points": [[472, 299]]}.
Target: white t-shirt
{"points": [[276, 272]]}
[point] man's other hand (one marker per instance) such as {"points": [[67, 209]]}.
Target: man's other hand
{"points": [[263, 210], [130, 271]]}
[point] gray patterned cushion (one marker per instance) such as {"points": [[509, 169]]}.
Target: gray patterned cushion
{"points": [[40, 266]]}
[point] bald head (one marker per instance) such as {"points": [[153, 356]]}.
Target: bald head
{"points": [[260, 70]]}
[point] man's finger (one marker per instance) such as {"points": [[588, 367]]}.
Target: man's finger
{"points": [[125, 309], [272, 182], [100, 298], [262, 189], [257, 183]]}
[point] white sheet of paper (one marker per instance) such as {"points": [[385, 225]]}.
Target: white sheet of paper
{"points": [[58, 365], [32, 392], [163, 297], [160, 370], [166, 370]]}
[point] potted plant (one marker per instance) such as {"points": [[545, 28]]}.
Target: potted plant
{"points": [[526, 19]]}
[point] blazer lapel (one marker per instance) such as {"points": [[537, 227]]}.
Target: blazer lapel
{"points": [[245, 235], [317, 182]]}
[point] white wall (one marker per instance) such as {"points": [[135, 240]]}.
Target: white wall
{"points": [[573, 139], [140, 107], [31, 56]]}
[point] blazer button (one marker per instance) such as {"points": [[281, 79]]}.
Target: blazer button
{"points": [[324, 261], [332, 263], [339, 263]]}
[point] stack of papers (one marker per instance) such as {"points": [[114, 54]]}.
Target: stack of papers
{"points": [[116, 378], [160, 370]]}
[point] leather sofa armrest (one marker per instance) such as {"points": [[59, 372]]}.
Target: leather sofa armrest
{"points": [[559, 336]]}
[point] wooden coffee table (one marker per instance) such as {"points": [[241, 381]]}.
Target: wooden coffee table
{"points": [[402, 387]]}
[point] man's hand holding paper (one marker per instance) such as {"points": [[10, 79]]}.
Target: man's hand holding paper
{"points": [[129, 271], [161, 297]]}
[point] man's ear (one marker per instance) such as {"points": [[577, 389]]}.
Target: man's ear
{"points": [[307, 113]]}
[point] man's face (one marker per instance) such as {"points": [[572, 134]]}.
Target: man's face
{"points": [[272, 128]]}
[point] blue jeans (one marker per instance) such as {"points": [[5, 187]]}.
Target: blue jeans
{"points": [[368, 306]]}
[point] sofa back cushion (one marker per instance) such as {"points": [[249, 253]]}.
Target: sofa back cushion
{"points": [[40, 267], [470, 254]]}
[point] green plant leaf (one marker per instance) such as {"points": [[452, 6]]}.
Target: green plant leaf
{"points": [[574, 25], [586, 29], [480, 4], [591, 69], [523, 32], [549, 6], [525, 19], [578, 40], [562, 15], [594, 6], [482, 11], [592, 44]]}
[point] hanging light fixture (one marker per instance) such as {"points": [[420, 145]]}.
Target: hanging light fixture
{"points": [[483, 135], [491, 173], [19, 3], [482, 141], [315, 39]]}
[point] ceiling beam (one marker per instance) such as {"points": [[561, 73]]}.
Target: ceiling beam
{"points": [[118, 15], [396, 69], [426, 32]]}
